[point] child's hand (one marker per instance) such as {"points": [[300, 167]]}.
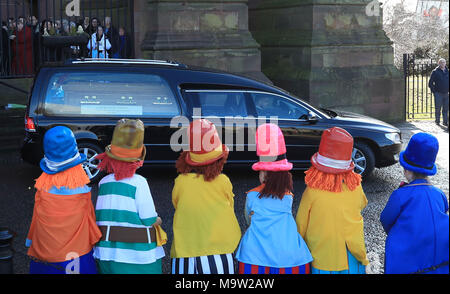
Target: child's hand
{"points": [[158, 221]]}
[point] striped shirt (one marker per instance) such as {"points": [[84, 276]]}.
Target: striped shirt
{"points": [[126, 203]]}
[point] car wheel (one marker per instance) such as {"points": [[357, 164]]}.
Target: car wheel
{"points": [[90, 165], [363, 158]]}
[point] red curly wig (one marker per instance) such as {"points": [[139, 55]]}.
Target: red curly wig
{"points": [[210, 171], [121, 169]]}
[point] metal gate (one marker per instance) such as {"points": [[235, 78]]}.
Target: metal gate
{"points": [[38, 31], [418, 97]]}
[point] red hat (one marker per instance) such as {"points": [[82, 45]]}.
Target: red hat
{"points": [[335, 152], [271, 149], [205, 146]]}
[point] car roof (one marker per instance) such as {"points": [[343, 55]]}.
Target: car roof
{"points": [[206, 75], [124, 61]]}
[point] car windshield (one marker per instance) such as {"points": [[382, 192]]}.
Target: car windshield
{"points": [[109, 94]]}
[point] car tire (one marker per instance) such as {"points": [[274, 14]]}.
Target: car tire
{"points": [[363, 158], [91, 150]]}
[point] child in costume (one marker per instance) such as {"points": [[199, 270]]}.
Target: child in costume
{"points": [[63, 224], [415, 217], [272, 245], [205, 229], [329, 215], [132, 237]]}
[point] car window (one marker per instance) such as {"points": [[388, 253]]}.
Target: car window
{"points": [[217, 103], [271, 105], [109, 94]]}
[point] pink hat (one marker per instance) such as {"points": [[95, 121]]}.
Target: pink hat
{"points": [[271, 149]]}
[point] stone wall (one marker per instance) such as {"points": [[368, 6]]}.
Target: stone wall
{"points": [[202, 33], [329, 52]]}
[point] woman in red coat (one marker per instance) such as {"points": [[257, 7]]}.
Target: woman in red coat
{"points": [[22, 50]]}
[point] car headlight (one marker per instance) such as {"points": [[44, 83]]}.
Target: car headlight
{"points": [[394, 137]]}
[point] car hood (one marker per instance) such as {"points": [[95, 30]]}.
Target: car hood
{"points": [[352, 119]]}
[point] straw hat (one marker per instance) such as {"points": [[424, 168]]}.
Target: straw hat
{"points": [[128, 141]]}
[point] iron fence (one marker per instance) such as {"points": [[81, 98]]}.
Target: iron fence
{"points": [[38, 31], [418, 97]]}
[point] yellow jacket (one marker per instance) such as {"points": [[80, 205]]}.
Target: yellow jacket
{"points": [[331, 223], [204, 222]]}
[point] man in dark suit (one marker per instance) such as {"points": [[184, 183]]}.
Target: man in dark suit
{"points": [[439, 87]]}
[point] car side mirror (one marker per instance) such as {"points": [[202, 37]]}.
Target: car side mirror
{"points": [[312, 117]]}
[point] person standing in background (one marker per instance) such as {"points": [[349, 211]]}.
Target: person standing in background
{"points": [[438, 84], [5, 52], [123, 49], [22, 50], [99, 44], [111, 34]]}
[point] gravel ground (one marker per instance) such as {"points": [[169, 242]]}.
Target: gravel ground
{"points": [[17, 198]]}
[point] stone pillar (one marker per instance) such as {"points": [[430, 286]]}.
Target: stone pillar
{"points": [[331, 53], [202, 33]]}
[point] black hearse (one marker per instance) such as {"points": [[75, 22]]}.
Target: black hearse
{"points": [[90, 96]]}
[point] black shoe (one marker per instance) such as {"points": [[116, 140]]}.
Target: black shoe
{"points": [[445, 124], [437, 123]]}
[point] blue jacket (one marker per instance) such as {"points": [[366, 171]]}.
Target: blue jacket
{"points": [[272, 239], [439, 80], [417, 228]]}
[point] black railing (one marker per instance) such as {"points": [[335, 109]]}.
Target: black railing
{"points": [[38, 31], [418, 97]]}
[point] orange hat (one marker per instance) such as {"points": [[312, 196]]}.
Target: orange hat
{"points": [[205, 146], [335, 152]]}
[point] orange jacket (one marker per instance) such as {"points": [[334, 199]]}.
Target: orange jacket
{"points": [[62, 224]]}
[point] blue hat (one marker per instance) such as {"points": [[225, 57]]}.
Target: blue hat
{"points": [[60, 151], [420, 154]]}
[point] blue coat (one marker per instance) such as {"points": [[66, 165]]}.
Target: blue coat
{"points": [[272, 239], [417, 228]]}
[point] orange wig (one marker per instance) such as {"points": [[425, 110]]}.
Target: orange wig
{"points": [[71, 178], [320, 180]]}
